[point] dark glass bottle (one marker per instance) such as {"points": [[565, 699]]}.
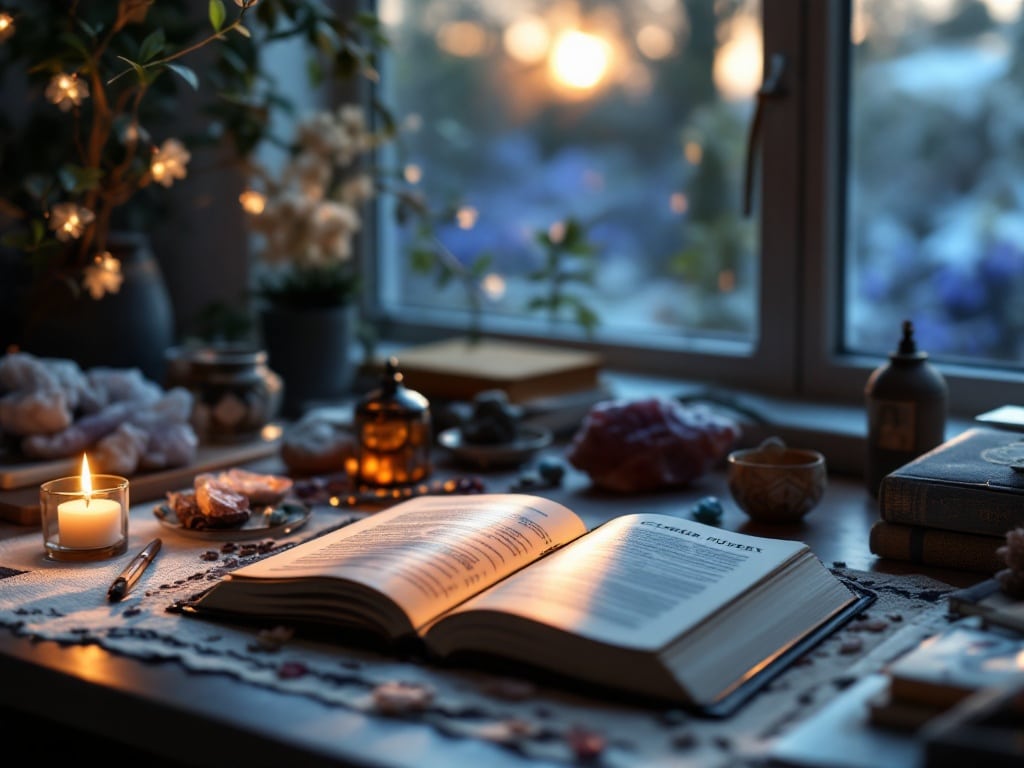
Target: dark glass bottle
{"points": [[906, 410], [394, 428]]}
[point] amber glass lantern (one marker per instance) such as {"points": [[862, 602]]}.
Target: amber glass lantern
{"points": [[395, 436]]}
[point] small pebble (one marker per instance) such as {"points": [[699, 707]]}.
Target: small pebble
{"points": [[707, 510], [684, 741], [551, 469]]}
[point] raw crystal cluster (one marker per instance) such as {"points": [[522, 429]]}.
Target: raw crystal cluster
{"points": [[642, 445]]}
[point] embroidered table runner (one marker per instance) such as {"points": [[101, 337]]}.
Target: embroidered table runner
{"points": [[66, 602]]}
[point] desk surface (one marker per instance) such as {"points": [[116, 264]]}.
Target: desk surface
{"points": [[215, 720]]}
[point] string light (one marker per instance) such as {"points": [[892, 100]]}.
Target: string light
{"points": [[66, 91], [68, 221], [169, 162], [103, 275]]}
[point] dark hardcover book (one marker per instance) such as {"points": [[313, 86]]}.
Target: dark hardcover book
{"points": [[987, 600], [936, 547], [955, 488], [949, 666], [987, 728]]}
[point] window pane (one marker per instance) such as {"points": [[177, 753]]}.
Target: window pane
{"points": [[935, 194], [628, 118]]}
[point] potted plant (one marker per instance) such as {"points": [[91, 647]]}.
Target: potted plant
{"points": [[306, 216], [96, 138]]}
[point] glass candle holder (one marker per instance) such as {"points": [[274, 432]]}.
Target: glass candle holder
{"points": [[84, 525], [395, 436]]}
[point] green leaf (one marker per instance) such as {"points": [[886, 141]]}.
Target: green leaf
{"points": [[37, 185], [152, 46], [217, 14], [243, 30], [140, 71], [76, 44], [77, 178], [38, 231], [186, 74]]}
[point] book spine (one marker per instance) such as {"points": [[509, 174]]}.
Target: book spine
{"points": [[964, 508], [936, 547]]}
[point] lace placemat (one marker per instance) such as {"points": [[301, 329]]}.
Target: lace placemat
{"points": [[66, 602]]}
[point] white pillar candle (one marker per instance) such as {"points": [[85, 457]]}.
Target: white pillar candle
{"points": [[89, 524]]}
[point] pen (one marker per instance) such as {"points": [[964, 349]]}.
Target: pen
{"points": [[126, 580]]}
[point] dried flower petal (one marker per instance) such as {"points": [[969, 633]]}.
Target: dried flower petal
{"points": [[291, 670], [397, 698], [585, 743]]}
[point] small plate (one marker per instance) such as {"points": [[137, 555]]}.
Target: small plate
{"points": [[265, 522], [484, 455]]}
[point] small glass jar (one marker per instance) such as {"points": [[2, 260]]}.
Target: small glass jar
{"points": [[81, 524], [393, 425], [235, 393]]}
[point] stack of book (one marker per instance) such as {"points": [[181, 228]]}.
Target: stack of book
{"points": [[943, 671], [555, 386], [951, 507]]}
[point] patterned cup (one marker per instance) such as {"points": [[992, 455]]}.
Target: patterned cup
{"points": [[776, 484]]}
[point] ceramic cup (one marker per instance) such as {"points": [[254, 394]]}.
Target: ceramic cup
{"points": [[776, 484]]}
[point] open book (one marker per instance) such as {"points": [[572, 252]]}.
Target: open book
{"points": [[654, 605]]}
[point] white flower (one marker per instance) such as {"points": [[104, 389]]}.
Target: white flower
{"points": [[169, 162], [334, 225], [68, 221], [308, 173], [103, 276], [66, 91], [311, 210], [358, 189]]}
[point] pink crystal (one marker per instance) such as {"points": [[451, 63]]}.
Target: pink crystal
{"points": [[643, 445]]}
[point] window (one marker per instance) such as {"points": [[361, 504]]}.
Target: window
{"points": [[632, 120]]}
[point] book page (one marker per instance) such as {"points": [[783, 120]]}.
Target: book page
{"points": [[639, 580], [432, 552]]}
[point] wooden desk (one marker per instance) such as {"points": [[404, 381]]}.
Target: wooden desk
{"points": [[164, 715]]}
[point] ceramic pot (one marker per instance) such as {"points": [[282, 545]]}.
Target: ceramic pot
{"points": [[776, 484], [311, 348], [132, 328]]}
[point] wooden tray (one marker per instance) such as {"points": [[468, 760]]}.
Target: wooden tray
{"points": [[19, 503]]}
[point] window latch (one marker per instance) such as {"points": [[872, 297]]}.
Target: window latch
{"points": [[771, 88]]}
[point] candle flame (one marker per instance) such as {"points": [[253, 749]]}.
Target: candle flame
{"points": [[86, 478]]}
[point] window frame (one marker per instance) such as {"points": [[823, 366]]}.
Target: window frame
{"points": [[798, 351], [827, 370]]}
